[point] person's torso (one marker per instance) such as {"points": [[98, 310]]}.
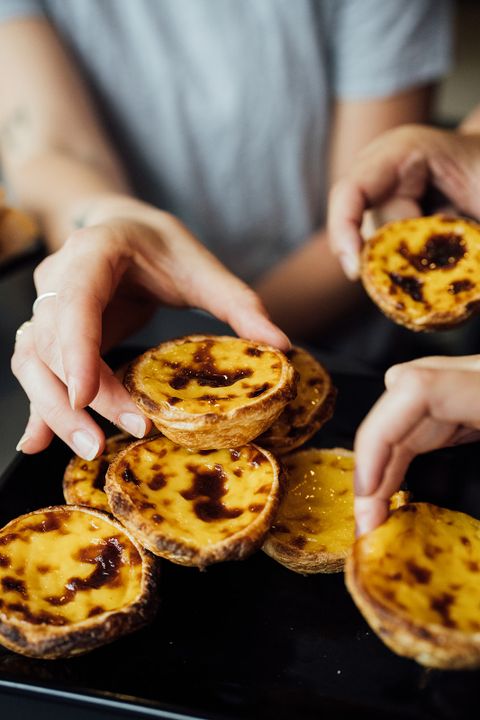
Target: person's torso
{"points": [[219, 109]]}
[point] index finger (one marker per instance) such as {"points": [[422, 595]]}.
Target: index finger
{"points": [[87, 273]]}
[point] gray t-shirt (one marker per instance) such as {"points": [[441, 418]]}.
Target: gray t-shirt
{"points": [[220, 109]]}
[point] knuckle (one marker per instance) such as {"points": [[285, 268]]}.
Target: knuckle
{"points": [[42, 271], [54, 416], [46, 347], [77, 238], [416, 380], [20, 361]]}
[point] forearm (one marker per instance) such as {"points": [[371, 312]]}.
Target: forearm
{"points": [[53, 151], [308, 290], [62, 192]]}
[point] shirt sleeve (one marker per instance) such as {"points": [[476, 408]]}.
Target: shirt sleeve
{"points": [[381, 47], [13, 9]]}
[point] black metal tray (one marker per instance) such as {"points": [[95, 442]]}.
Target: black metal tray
{"points": [[251, 639]]}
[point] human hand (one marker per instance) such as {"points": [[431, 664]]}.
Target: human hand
{"points": [[392, 174], [108, 279], [429, 403]]}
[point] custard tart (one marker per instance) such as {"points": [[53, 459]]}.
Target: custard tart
{"points": [[308, 411], [84, 480], [415, 579], [194, 508], [314, 527], [424, 272], [206, 392], [71, 579]]}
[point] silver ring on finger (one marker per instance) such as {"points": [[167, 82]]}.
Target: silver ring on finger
{"points": [[40, 299], [22, 328]]}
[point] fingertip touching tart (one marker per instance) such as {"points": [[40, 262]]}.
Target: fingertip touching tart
{"points": [[314, 527]]}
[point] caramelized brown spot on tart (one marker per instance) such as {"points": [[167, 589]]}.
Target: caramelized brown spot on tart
{"points": [[459, 286], [208, 486], [12, 584], [129, 476], [97, 610], [40, 618], [441, 251], [253, 352], [259, 391], [49, 524], [409, 284], [158, 481], [43, 569], [422, 575], [107, 558], [299, 542], [442, 606]]}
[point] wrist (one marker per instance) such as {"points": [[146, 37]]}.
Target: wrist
{"points": [[108, 206]]}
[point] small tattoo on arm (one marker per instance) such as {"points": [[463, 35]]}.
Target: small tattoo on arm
{"points": [[14, 128], [80, 221]]}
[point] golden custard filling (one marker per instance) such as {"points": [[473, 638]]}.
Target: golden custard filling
{"points": [[316, 514], [59, 567], [424, 564], [210, 375], [196, 497], [85, 480], [425, 264]]}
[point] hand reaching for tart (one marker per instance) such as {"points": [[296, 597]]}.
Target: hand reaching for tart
{"points": [[429, 403], [394, 171], [108, 279]]}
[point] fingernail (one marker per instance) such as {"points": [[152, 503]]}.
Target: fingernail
{"points": [[72, 394], [350, 265], [362, 517], [85, 444], [360, 527], [391, 376], [358, 485], [22, 441], [133, 424]]}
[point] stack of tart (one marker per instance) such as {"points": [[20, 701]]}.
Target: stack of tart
{"points": [[223, 477], [200, 491]]}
